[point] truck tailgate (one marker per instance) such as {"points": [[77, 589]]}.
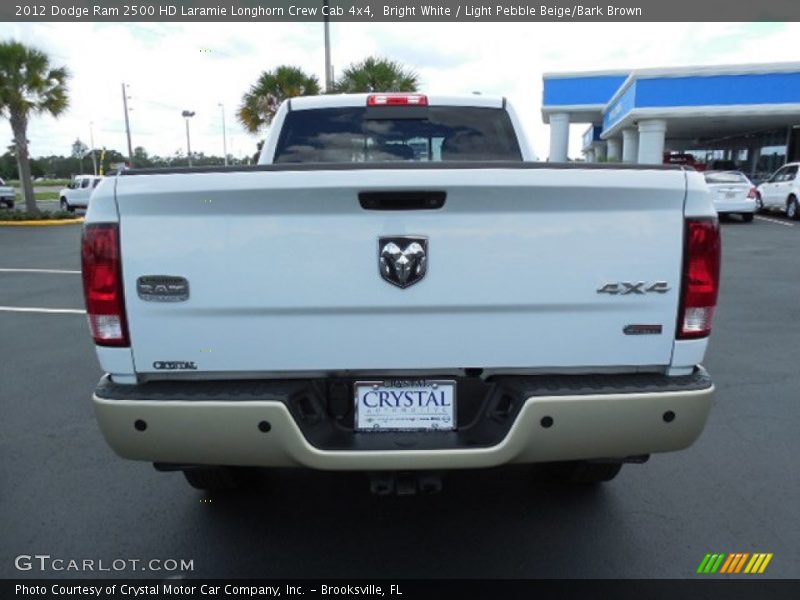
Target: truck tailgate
{"points": [[283, 269]]}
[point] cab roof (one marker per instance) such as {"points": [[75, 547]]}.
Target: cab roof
{"points": [[347, 100]]}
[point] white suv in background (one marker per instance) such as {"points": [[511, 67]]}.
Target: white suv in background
{"points": [[781, 191], [78, 191]]}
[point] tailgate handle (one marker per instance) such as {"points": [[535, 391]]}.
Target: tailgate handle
{"points": [[401, 200]]}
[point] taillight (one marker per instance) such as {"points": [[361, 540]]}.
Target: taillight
{"points": [[102, 284], [700, 278], [397, 100], [752, 193]]}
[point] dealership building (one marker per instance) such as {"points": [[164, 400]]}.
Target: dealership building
{"points": [[748, 115]]}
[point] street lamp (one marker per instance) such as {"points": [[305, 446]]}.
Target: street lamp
{"points": [[328, 67], [187, 114], [125, 98], [224, 137], [91, 141]]}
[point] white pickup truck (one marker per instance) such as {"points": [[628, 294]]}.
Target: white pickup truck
{"points": [[397, 288], [78, 192]]}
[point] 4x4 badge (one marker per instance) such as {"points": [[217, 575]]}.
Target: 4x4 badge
{"points": [[627, 287]]}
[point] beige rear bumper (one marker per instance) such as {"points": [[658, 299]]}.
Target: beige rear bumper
{"points": [[227, 433]]}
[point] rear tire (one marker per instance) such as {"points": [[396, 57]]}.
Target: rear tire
{"points": [[747, 217], [759, 203], [792, 209], [583, 472], [214, 479]]}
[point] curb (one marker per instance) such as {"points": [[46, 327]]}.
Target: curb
{"points": [[42, 223]]}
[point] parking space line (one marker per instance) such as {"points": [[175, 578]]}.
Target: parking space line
{"points": [[40, 271], [776, 221], [28, 309]]}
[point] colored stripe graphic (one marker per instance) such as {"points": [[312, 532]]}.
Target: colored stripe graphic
{"points": [[710, 563], [701, 567], [741, 562], [727, 564], [765, 563], [755, 560], [734, 562], [717, 563], [730, 564]]}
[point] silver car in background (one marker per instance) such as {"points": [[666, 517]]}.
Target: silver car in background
{"points": [[7, 195], [732, 193]]}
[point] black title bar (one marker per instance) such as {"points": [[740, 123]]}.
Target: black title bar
{"points": [[704, 587], [401, 10]]}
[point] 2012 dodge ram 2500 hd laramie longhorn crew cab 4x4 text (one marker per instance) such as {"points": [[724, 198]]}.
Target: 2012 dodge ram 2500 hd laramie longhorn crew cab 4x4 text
{"points": [[397, 287]]}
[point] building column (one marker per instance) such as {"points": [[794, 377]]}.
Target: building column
{"points": [[651, 141], [590, 155], [559, 137], [752, 160], [630, 145], [599, 151], [613, 149]]}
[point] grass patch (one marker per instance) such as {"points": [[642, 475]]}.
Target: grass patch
{"points": [[44, 215], [46, 195], [44, 182]]}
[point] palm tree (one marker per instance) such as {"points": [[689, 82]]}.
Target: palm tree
{"points": [[273, 87], [376, 74], [28, 85]]}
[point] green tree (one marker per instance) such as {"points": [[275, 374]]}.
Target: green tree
{"points": [[109, 158], [28, 85], [8, 164], [376, 74], [273, 87], [37, 169], [141, 158], [259, 146], [57, 167]]}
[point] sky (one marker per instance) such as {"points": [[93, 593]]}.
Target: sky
{"points": [[171, 67]]}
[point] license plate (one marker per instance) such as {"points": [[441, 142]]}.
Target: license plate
{"points": [[405, 405]]}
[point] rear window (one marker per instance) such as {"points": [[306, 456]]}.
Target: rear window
{"points": [[360, 134], [729, 177]]}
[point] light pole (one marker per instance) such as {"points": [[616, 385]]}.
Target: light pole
{"points": [[127, 124], [187, 114], [328, 67], [224, 136], [91, 141]]}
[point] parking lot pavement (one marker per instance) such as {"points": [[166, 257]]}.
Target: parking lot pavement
{"points": [[65, 494], [40, 248]]}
